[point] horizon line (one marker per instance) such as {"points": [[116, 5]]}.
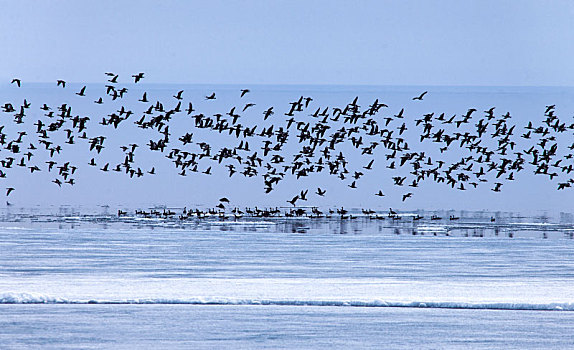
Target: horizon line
{"points": [[301, 84]]}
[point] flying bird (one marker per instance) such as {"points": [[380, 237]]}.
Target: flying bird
{"points": [[137, 77], [178, 95], [420, 97]]}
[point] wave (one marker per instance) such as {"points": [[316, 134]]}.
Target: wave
{"points": [[36, 298]]}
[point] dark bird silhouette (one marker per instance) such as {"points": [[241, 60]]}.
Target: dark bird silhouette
{"points": [[61, 82], [293, 200], [370, 165], [114, 79], [178, 95], [497, 187], [81, 92], [248, 105], [138, 77], [420, 97], [9, 190], [190, 109], [17, 81]]}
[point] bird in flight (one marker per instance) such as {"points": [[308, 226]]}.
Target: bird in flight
{"points": [[293, 200], [420, 97], [137, 77], [178, 95], [82, 91], [114, 79]]}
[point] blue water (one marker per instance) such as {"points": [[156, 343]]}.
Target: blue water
{"points": [[270, 284], [278, 327]]}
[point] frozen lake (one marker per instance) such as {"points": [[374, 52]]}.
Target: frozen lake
{"points": [[81, 281]]}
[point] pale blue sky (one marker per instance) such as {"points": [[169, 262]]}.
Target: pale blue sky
{"points": [[294, 42]]}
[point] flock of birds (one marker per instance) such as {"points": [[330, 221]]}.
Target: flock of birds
{"points": [[218, 212], [471, 150]]}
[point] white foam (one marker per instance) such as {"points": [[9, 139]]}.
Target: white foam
{"points": [[529, 294], [29, 298], [35, 298]]}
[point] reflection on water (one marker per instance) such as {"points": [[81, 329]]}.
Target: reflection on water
{"points": [[354, 222]]}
